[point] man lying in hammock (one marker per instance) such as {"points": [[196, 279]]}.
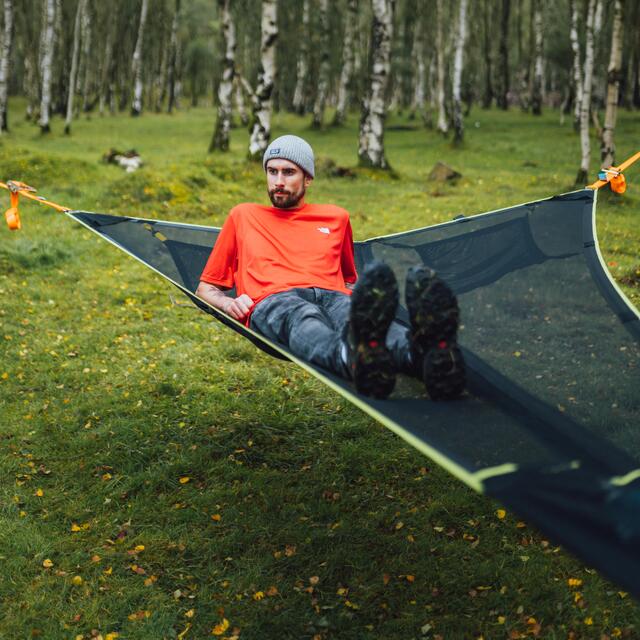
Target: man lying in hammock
{"points": [[292, 266]]}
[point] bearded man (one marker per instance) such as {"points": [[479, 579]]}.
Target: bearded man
{"points": [[293, 269]]}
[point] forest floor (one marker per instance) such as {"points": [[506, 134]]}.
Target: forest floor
{"points": [[165, 479]]}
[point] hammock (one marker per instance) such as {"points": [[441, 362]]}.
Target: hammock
{"points": [[550, 423]]}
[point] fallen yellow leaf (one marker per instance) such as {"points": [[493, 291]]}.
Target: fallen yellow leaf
{"points": [[220, 628], [77, 580], [47, 564], [500, 514], [216, 517], [39, 493], [258, 595], [190, 613], [184, 479]]}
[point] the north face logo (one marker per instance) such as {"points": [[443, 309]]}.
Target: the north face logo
{"points": [[274, 151], [324, 230]]}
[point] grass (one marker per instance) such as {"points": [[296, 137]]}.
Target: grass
{"points": [[175, 477]]}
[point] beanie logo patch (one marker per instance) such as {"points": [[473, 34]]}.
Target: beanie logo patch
{"points": [[273, 152]]}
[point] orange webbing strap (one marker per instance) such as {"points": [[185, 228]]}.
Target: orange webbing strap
{"points": [[613, 176], [16, 190]]}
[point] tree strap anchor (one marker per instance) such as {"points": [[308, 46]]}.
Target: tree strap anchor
{"points": [[613, 176], [16, 189]]}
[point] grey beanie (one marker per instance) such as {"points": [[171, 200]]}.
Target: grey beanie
{"points": [[291, 148]]}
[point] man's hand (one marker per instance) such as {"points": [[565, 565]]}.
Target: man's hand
{"points": [[238, 308]]}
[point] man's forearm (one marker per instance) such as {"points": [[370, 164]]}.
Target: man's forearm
{"points": [[214, 296], [238, 308]]}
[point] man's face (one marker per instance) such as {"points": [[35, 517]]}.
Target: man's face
{"points": [[286, 183]]}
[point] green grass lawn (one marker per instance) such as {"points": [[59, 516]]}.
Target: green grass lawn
{"points": [[162, 478]]}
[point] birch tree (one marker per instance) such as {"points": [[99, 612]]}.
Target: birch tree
{"points": [[299, 94], [461, 36], [74, 65], [107, 89], [346, 72], [86, 55], [614, 72], [443, 126], [487, 97], [502, 99], [262, 107], [418, 98], [220, 138], [536, 92], [371, 140], [323, 75], [577, 65], [5, 53], [174, 59], [136, 64], [46, 58], [585, 105]]}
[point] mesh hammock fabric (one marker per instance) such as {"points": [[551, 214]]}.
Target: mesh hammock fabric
{"points": [[550, 422]]}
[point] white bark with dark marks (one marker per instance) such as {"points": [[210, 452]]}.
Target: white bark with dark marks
{"points": [[443, 126], [536, 91], [86, 55], [577, 65], [371, 142], [418, 98], [136, 63], [323, 74], [74, 65], [346, 73], [174, 59], [5, 53], [585, 105], [461, 37], [262, 107], [502, 98], [299, 94], [614, 72], [220, 138], [46, 59]]}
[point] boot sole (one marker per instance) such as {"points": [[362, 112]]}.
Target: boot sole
{"points": [[373, 307], [433, 309]]}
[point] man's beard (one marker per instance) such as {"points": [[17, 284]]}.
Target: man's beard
{"points": [[288, 201]]}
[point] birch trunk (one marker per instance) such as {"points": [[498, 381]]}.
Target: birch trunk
{"points": [[262, 107], [585, 106], [418, 99], [46, 60], [443, 126], [371, 143], [461, 37], [614, 72], [74, 66], [577, 65], [348, 47], [86, 55], [299, 94], [502, 99], [161, 77], [240, 104], [173, 63], [136, 65], [5, 53], [220, 138], [323, 75], [106, 84], [487, 98], [536, 92]]}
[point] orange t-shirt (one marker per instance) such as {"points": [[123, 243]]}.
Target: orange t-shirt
{"points": [[264, 250]]}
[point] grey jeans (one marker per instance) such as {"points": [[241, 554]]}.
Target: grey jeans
{"points": [[311, 323]]}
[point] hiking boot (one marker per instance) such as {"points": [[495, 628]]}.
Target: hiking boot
{"points": [[433, 311], [373, 307]]}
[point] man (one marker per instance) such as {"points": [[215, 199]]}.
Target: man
{"points": [[292, 266]]}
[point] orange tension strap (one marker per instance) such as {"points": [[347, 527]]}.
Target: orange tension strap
{"points": [[613, 176], [17, 189]]}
